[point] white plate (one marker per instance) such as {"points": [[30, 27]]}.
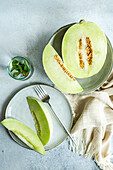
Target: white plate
{"points": [[18, 109]]}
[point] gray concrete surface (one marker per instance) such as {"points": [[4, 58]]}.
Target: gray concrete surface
{"points": [[25, 28]]}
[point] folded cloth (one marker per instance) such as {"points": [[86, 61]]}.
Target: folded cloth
{"points": [[93, 124]]}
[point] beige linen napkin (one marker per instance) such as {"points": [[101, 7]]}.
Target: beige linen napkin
{"points": [[93, 124]]}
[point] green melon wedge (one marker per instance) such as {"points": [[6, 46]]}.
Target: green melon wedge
{"points": [[42, 118], [26, 134], [56, 74], [71, 49]]}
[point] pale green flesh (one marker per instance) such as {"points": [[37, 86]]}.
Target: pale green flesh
{"points": [[26, 134], [70, 49], [56, 74], [42, 118]]}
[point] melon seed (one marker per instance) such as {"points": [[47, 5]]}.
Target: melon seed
{"points": [[63, 67], [82, 64], [89, 51], [80, 43]]}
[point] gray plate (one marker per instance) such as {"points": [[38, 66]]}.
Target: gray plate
{"points": [[91, 83], [18, 109]]}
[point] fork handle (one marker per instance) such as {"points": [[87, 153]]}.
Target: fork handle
{"points": [[61, 123]]}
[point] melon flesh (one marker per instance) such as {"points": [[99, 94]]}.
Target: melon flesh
{"points": [[42, 118], [26, 134], [57, 74], [71, 50]]}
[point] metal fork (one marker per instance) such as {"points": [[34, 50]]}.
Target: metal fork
{"points": [[44, 97]]}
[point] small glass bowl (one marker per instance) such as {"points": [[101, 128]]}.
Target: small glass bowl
{"points": [[20, 76]]}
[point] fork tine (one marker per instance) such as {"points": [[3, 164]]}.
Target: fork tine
{"points": [[42, 91], [37, 92]]}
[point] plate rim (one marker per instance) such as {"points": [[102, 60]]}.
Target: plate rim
{"points": [[13, 136]]}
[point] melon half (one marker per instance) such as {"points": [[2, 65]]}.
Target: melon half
{"points": [[58, 73], [84, 49]]}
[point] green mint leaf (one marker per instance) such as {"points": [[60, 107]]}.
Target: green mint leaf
{"points": [[18, 63], [26, 68], [16, 74], [14, 68], [14, 62]]}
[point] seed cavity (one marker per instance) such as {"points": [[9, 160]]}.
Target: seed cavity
{"points": [[63, 67], [37, 125], [89, 51]]}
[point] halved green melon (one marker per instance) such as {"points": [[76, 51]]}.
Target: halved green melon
{"points": [[58, 73], [84, 49], [26, 134], [42, 118]]}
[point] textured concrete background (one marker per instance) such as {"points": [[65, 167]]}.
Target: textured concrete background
{"points": [[25, 28]]}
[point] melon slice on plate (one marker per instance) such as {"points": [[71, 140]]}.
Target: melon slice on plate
{"points": [[42, 118], [58, 73], [26, 134], [84, 49]]}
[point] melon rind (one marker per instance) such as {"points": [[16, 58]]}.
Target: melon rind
{"points": [[56, 74], [26, 134], [41, 117], [70, 48]]}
